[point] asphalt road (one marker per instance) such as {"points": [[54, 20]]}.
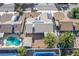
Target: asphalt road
{"points": [[7, 7], [50, 6], [44, 7]]}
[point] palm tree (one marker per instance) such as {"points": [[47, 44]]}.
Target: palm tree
{"points": [[22, 51], [18, 8], [75, 53], [66, 40], [50, 40]]}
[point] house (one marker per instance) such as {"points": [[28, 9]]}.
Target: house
{"points": [[39, 24], [11, 22], [64, 23], [66, 26]]}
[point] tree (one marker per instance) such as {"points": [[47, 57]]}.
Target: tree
{"points": [[17, 6], [74, 13], [22, 51], [20, 12], [50, 40], [77, 15], [66, 40], [76, 53]]}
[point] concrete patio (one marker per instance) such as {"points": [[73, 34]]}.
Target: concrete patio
{"points": [[39, 44]]}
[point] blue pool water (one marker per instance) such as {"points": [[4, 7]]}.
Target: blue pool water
{"points": [[44, 54], [8, 54], [13, 41]]}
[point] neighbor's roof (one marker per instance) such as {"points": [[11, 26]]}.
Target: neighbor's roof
{"points": [[32, 14], [6, 28], [65, 22], [77, 25], [59, 15], [66, 26], [6, 17]]}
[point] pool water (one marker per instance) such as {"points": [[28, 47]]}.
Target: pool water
{"points": [[8, 54], [13, 41], [44, 54]]}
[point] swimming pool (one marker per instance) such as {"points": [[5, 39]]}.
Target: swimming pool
{"points": [[12, 41], [8, 54], [44, 54]]}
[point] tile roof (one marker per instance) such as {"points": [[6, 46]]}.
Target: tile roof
{"points": [[66, 26], [77, 25], [59, 16], [6, 17], [32, 14], [65, 22]]}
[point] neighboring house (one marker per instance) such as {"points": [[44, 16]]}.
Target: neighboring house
{"points": [[64, 23], [40, 24], [11, 22], [18, 23]]}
